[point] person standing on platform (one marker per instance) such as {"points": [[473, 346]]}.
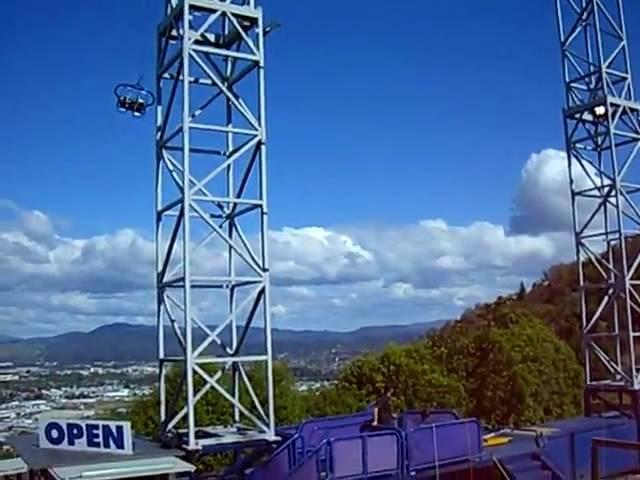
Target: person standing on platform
{"points": [[383, 416], [382, 412]]}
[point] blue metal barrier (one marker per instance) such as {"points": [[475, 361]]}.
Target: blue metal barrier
{"points": [[321, 433], [443, 443], [437, 415], [411, 419], [392, 453], [336, 450], [309, 467], [315, 424], [570, 448], [366, 456], [280, 463]]}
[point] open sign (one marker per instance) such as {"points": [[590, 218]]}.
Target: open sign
{"points": [[86, 435]]}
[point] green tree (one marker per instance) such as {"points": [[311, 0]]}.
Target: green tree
{"points": [[514, 369], [335, 399], [419, 382], [6, 453], [213, 409]]}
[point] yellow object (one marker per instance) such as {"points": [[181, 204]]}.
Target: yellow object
{"points": [[495, 441]]}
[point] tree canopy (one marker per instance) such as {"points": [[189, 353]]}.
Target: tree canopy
{"points": [[212, 409], [514, 369], [498, 363], [418, 380]]}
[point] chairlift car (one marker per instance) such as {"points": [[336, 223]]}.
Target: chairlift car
{"points": [[133, 98]]}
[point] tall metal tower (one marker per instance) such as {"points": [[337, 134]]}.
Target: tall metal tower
{"points": [[211, 221], [602, 134]]}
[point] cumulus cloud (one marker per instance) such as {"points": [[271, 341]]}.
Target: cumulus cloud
{"points": [[432, 253], [113, 263], [324, 277], [316, 255], [543, 198], [346, 307]]}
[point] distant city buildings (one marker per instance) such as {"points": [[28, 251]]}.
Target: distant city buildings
{"points": [[50, 391], [306, 385], [8, 373], [101, 389]]}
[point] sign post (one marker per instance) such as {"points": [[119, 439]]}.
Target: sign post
{"points": [[86, 435]]}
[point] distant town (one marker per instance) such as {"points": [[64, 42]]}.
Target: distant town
{"points": [[29, 394], [59, 377]]}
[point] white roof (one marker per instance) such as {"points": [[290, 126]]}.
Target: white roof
{"points": [[64, 414], [13, 466], [123, 469]]}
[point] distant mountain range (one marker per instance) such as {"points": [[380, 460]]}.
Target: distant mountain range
{"points": [[125, 342]]}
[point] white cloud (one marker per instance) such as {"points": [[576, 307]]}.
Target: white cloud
{"points": [[278, 310], [304, 292], [542, 203], [316, 255], [117, 262], [542, 200], [37, 226], [323, 277], [432, 254]]}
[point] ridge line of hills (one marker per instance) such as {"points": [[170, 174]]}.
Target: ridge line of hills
{"points": [[124, 342]]}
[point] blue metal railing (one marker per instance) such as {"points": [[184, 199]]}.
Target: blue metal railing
{"points": [[309, 467], [367, 456], [439, 444], [391, 453], [336, 450], [280, 463]]}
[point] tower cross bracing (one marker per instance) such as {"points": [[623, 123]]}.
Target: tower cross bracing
{"points": [[212, 263], [602, 136]]}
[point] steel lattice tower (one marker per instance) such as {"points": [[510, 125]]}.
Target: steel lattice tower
{"points": [[211, 221], [602, 134]]}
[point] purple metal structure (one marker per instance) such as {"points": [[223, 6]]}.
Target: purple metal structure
{"points": [[598, 444], [334, 448]]}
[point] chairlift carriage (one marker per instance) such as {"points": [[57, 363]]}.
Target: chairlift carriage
{"points": [[133, 98]]}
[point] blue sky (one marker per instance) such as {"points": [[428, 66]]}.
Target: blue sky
{"points": [[378, 114]]}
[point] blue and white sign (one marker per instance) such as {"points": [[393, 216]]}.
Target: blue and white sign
{"points": [[86, 435]]}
